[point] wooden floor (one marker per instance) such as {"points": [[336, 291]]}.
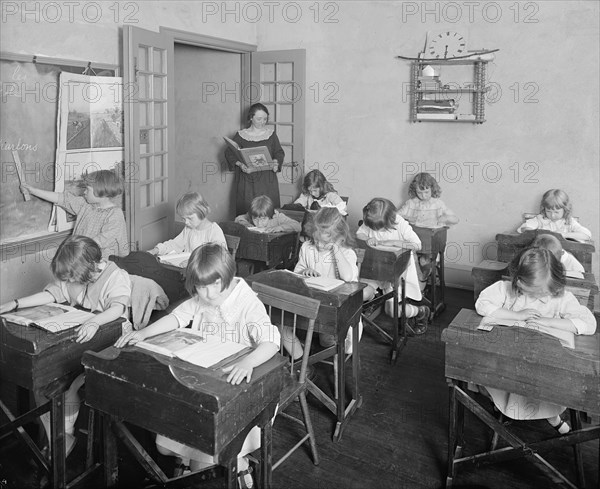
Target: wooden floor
{"points": [[398, 439]]}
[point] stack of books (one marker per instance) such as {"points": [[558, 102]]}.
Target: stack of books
{"points": [[436, 109]]}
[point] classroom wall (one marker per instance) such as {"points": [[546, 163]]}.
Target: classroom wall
{"points": [[542, 117], [89, 31]]}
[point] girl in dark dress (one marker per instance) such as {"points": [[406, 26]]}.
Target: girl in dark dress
{"points": [[250, 185]]}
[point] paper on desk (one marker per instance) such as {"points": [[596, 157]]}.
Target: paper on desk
{"points": [[175, 259], [258, 230]]}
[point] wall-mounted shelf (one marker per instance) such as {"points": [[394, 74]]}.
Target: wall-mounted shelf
{"points": [[435, 103]]}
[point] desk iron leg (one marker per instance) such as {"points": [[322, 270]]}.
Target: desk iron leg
{"points": [[266, 456], [576, 425], [57, 442], [452, 423]]}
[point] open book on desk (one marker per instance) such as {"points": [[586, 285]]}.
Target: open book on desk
{"points": [[51, 317], [176, 259], [566, 338], [193, 347], [321, 283], [255, 159]]}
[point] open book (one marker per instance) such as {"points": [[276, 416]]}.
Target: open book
{"points": [[51, 317], [321, 283], [255, 159], [176, 259], [566, 338], [193, 347]]}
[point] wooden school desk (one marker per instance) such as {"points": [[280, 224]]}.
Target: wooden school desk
{"points": [[387, 265], [340, 309], [527, 363], [46, 364], [433, 244], [191, 404], [272, 249]]}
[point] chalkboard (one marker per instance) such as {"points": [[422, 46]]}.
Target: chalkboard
{"points": [[28, 121]]}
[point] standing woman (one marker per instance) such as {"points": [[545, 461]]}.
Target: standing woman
{"points": [[250, 185]]}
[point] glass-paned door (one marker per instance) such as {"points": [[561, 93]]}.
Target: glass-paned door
{"points": [[146, 142], [281, 77]]}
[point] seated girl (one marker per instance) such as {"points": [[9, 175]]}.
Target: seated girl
{"points": [[556, 215], [535, 294], [263, 215], [225, 306], [193, 209], [571, 265], [83, 279], [317, 192], [383, 226]]}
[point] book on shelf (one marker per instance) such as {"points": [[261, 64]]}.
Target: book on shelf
{"points": [[426, 105], [566, 338], [435, 117], [255, 159], [51, 317], [193, 347], [176, 259]]}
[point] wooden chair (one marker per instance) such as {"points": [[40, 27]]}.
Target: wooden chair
{"points": [[283, 305]]}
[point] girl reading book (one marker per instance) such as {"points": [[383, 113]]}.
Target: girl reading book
{"points": [[535, 294], [225, 307], [82, 279]]}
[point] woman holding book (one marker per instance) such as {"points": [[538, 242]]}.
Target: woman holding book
{"points": [[250, 185]]}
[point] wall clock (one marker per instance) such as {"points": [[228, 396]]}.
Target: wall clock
{"points": [[445, 45]]}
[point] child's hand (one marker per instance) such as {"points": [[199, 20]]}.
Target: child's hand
{"points": [[238, 372], [309, 272], [372, 242], [86, 331], [153, 251], [537, 322], [527, 314], [129, 339], [275, 166], [26, 187], [7, 307]]}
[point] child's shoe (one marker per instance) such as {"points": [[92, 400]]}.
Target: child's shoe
{"points": [[421, 320], [245, 478], [559, 425]]}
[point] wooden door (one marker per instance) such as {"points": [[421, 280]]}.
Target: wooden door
{"points": [[279, 82], [146, 140]]}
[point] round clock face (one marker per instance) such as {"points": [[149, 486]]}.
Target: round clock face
{"points": [[447, 45]]}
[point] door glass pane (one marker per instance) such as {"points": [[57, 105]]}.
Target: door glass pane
{"points": [[142, 86], [142, 58], [144, 196], [288, 92], [285, 71], [159, 87], [284, 113], [285, 133], [160, 194], [159, 143], [144, 169], [143, 114], [159, 114], [267, 93], [159, 61], [267, 72], [159, 168]]}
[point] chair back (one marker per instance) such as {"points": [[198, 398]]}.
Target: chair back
{"points": [[233, 243], [288, 308]]}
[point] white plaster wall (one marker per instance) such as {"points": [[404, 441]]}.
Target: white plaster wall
{"points": [[489, 173]]}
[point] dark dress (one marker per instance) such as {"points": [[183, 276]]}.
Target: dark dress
{"points": [[250, 185]]}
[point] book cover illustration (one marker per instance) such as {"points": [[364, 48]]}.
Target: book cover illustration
{"points": [[255, 159]]}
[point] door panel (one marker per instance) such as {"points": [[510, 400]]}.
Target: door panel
{"points": [[281, 76], [146, 138]]}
